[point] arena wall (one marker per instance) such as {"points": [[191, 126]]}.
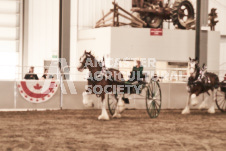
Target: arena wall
{"points": [[174, 96], [173, 45], [52, 103], [7, 94]]}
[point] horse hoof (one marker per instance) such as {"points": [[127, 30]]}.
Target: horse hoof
{"points": [[202, 106], [194, 102], [101, 117], [117, 116], [186, 111], [211, 110]]}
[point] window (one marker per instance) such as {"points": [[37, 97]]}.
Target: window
{"points": [[10, 37]]}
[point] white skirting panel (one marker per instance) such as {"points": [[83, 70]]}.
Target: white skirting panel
{"points": [[174, 96]]}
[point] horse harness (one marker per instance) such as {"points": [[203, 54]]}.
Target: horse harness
{"points": [[200, 79]]}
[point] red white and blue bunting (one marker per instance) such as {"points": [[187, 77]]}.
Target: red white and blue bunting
{"points": [[37, 91]]}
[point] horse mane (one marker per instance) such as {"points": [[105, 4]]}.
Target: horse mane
{"points": [[197, 72]]}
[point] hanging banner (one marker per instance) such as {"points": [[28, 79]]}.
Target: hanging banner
{"points": [[37, 91], [156, 32]]}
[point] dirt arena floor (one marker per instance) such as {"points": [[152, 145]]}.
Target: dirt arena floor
{"points": [[80, 130]]}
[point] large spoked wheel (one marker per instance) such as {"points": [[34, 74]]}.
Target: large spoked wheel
{"points": [[182, 13], [112, 103], [221, 100], [153, 99]]}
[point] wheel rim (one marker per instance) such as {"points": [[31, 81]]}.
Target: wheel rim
{"points": [[153, 99], [153, 21], [185, 13], [182, 13], [221, 101], [112, 103]]}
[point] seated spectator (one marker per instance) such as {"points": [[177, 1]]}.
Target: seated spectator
{"points": [[45, 75], [31, 75], [225, 77]]}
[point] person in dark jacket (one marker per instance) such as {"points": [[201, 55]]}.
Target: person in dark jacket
{"points": [[31, 75], [137, 72]]}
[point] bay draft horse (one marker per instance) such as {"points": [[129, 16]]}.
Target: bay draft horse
{"points": [[201, 81], [96, 71]]}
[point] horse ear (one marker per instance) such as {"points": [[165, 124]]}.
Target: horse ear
{"points": [[203, 66], [85, 51], [190, 58]]}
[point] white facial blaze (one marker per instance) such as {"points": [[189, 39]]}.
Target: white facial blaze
{"points": [[192, 67], [80, 66], [83, 58]]}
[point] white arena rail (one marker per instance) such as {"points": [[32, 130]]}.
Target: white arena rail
{"points": [[69, 94]]}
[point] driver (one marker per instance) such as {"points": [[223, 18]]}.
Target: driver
{"points": [[137, 72]]}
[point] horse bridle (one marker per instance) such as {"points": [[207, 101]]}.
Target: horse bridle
{"points": [[84, 64], [192, 67]]}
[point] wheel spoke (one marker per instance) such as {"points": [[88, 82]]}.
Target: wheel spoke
{"points": [[223, 105], [220, 96], [154, 113], [157, 94], [220, 100], [157, 107], [153, 90], [149, 106], [157, 104], [154, 105], [112, 103]]}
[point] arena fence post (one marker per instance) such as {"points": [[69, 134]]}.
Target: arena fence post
{"points": [[15, 92], [61, 94]]}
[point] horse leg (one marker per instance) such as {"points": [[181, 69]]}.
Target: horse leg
{"points": [[87, 99], [211, 110], [104, 114], [187, 108], [204, 105], [117, 113], [120, 108], [194, 100]]}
